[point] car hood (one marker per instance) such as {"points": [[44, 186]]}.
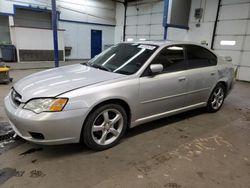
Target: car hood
{"points": [[53, 82]]}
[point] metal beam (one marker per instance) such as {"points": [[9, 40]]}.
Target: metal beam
{"points": [[215, 24], [165, 18], [125, 20], [55, 36]]}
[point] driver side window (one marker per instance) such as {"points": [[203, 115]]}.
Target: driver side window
{"points": [[172, 59]]}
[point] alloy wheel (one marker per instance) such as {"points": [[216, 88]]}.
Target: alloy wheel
{"points": [[218, 97], [107, 126]]}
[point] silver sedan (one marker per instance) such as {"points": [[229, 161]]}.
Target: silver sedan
{"points": [[124, 86]]}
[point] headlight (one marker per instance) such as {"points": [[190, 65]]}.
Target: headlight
{"points": [[46, 105]]}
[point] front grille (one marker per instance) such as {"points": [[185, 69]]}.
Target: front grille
{"points": [[16, 97]]}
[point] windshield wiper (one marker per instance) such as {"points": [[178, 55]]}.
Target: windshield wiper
{"points": [[84, 63], [100, 67], [97, 66]]}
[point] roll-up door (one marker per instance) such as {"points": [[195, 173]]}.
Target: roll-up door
{"points": [[233, 34]]}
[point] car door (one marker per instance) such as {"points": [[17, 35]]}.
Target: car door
{"points": [[202, 73], [166, 91]]}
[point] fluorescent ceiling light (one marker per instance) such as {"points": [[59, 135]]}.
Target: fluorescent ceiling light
{"points": [[130, 39], [142, 39], [227, 42]]}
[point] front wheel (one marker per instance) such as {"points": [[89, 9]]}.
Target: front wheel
{"points": [[217, 98], [104, 127]]}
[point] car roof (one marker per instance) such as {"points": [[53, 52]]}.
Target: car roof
{"points": [[162, 43], [165, 42]]}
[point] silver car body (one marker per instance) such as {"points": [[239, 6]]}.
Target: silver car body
{"points": [[146, 98]]}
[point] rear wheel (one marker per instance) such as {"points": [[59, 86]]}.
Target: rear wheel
{"points": [[105, 126], [216, 99]]}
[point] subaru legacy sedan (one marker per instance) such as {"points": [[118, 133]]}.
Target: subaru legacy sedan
{"points": [[124, 86]]}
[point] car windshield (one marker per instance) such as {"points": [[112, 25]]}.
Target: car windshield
{"points": [[124, 58]]}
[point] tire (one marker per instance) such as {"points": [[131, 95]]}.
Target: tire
{"points": [[104, 127], [216, 98]]}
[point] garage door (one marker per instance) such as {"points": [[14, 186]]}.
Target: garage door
{"points": [[144, 20], [30, 18], [233, 35], [4, 29]]}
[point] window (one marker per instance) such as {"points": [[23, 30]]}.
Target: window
{"points": [[200, 57], [172, 59], [124, 58]]}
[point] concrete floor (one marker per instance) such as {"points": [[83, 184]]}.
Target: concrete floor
{"points": [[193, 149]]}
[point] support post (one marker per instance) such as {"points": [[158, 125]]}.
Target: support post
{"points": [[55, 36], [125, 19], [215, 24], [165, 33], [165, 18]]}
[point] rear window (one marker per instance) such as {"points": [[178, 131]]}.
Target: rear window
{"points": [[199, 57]]}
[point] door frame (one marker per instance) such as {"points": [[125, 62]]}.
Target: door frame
{"points": [[160, 77]]}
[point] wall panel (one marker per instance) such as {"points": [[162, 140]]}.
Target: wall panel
{"points": [[144, 20], [234, 26]]}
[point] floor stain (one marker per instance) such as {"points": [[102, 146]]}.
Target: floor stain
{"points": [[34, 161], [36, 174], [7, 138], [172, 185], [6, 173], [5, 131], [179, 129], [183, 136], [185, 151], [201, 175], [19, 173], [32, 150], [198, 146], [162, 158]]}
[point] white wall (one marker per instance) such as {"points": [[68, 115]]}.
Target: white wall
{"points": [[23, 39], [144, 20], [94, 11], [85, 15], [204, 31], [234, 25], [78, 37], [120, 12]]}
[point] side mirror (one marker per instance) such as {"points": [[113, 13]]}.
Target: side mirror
{"points": [[156, 68]]}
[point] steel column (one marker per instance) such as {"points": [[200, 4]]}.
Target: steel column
{"points": [[55, 36], [215, 24], [165, 18], [125, 19]]}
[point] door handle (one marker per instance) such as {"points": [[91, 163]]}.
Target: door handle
{"points": [[212, 73], [182, 79]]}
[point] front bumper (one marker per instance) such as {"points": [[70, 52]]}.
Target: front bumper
{"points": [[56, 127]]}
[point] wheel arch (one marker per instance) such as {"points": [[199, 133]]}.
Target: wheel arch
{"points": [[224, 83], [121, 102]]}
